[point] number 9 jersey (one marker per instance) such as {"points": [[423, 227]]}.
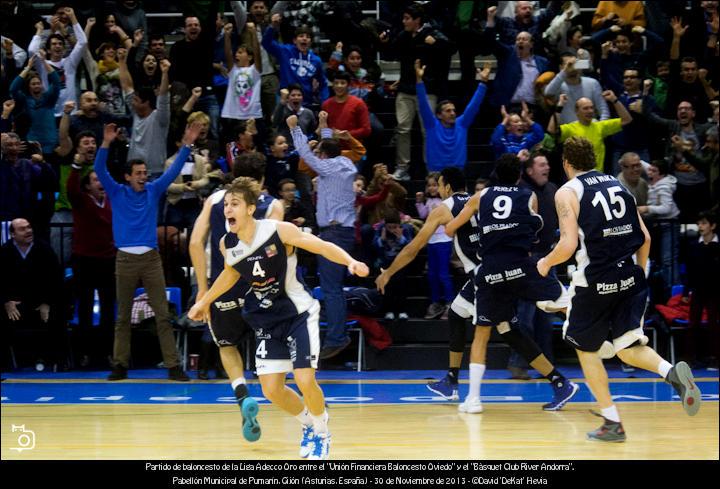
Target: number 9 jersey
{"points": [[608, 226]]}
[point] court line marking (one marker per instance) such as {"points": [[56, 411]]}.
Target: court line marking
{"points": [[331, 381]]}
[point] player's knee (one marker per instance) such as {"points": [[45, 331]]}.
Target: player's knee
{"points": [[273, 391]]}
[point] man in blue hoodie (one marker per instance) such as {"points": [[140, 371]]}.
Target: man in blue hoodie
{"points": [[298, 64], [134, 229]]}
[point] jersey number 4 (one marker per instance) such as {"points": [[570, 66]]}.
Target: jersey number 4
{"points": [[257, 270], [615, 199], [261, 350]]}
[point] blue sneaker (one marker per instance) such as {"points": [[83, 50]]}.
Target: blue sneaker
{"points": [[306, 446], [251, 428], [445, 388], [320, 447], [561, 396]]}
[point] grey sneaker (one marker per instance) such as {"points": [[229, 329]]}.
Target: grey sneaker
{"points": [[681, 378], [434, 311], [610, 431]]}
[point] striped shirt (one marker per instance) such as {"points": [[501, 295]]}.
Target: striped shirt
{"points": [[336, 197]]}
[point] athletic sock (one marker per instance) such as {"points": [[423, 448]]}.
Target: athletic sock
{"points": [[320, 423], [304, 418], [477, 370], [664, 368], [453, 375], [240, 388], [611, 414], [556, 378]]}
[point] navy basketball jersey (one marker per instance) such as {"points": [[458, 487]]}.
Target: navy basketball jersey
{"points": [[507, 223], [466, 238], [274, 294], [608, 223], [219, 227]]}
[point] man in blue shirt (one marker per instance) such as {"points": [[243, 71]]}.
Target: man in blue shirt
{"points": [[134, 229], [445, 132], [336, 219]]}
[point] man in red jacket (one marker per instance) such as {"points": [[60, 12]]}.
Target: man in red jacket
{"points": [[93, 261], [345, 111]]}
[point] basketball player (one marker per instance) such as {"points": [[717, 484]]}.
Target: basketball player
{"points": [[452, 189], [608, 290], [277, 307], [507, 221], [227, 326]]}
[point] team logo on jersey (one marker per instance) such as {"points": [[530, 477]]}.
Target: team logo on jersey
{"points": [[271, 251], [226, 306], [260, 335]]}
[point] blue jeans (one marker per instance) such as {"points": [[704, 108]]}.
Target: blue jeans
{"points": [[332, 276], [536, 325], [441, 286], [209, 105], [668, 233]]}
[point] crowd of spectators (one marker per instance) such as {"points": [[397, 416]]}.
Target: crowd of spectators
{"points": [[301, 87]]}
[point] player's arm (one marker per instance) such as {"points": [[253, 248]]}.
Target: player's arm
{"points": [[534, 203], [228, 277], [437, 217], [198, 239], [291, 235], [277, 211], [642, 254], [567, 207], [471, 207]]}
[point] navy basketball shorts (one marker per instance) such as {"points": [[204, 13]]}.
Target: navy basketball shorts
{"points": [[227, 326], [499, 286], [287, 345], [608, 309]]}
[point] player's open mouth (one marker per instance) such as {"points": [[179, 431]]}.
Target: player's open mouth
{"points": [[231, 221]]}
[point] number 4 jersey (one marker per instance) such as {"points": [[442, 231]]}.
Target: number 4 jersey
{"points": [[275, 293], [609, 227]]}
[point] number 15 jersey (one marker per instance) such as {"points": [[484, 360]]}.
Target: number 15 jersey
{"points": [[609, 227]]}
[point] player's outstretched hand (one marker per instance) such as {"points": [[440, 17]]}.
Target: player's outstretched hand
{"points": [[381, 281], [199, 312], [358, 268]]}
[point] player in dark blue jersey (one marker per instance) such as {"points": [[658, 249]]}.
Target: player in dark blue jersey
{"points": [[608, 290], [452, 189], [226, 325], [278, 307], [507, 222]]}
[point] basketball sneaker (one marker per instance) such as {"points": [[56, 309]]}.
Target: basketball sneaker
{"points": [[320, 447], [306, 444], [682, 380], [610, 431], [251, 428], [471, 406], [562, 394], [445, 388]]}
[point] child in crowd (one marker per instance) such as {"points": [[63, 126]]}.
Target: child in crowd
{"points": [[242, 101], [295, 211], [281, 164], [390, 238], [439, 252], [703, 293]]}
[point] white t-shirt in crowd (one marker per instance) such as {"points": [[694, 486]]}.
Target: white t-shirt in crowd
{"points": [[242, 100]]}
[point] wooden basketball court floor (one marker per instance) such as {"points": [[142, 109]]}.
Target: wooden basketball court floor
{"points": [[370, 418]]}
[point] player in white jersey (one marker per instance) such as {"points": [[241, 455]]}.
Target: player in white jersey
{"points": [[278, 307], [608, 290]]}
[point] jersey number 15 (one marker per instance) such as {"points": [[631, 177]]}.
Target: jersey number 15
{"points": [[615, 199]]}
